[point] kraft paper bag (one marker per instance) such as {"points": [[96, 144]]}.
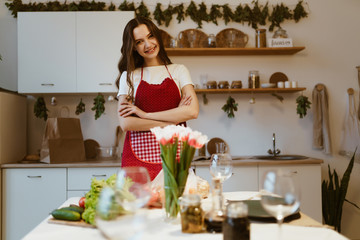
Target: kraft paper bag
{"points": [[62, 141]]}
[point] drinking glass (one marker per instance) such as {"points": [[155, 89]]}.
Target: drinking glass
{"points": [[231, 35], [280, 196], [191, 35], [115, 213]]}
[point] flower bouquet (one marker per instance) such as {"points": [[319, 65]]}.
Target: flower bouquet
{"points": [[177, 145]]}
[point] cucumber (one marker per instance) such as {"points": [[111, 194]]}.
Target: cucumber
{"points": [[65, 214], [74, 208]]}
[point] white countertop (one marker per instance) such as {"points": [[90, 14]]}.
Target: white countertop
{"points": [[156, 228]]}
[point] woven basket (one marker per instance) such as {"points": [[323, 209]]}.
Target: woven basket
{"points": [[166, 38], [223, 38], [199, 42]]}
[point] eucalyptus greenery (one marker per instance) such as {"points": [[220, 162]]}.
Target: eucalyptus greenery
{"points": [[80, 108], [230, 107], [40, 109], [99, 105], [254, 15], [303, 104]]}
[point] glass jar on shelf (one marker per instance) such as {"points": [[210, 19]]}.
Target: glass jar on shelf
{"points": [[280, 33], [211, 41], [254, 79]]}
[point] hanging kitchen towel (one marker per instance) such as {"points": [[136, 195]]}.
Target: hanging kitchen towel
{"points": [[321, 126], [350, 136], [62, 141]]}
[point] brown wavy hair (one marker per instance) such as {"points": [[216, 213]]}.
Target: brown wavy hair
{"points": [[130, 59]]}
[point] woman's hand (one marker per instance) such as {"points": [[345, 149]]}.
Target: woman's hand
{"points": [[127, 109], [185, 100]]}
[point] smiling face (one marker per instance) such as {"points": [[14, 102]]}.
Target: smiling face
{"points": [[146, 45]]}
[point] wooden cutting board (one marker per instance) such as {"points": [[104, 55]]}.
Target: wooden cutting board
{"points": [[80, 223]]}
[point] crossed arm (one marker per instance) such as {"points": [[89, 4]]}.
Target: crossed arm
{"points": [[133, 118]]}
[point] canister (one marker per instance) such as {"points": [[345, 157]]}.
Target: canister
{"points": [[254, 79], [260, 38], [236, 225]]}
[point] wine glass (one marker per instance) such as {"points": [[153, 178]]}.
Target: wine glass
{"points": [[133, 188], [116, 206], [221, 170], [280, 196]]}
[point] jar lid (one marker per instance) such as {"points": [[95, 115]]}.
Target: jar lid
{"points": [[190, 200], [261, 30], [237, 210]]}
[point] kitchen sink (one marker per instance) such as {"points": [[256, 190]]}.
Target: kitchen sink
{"points": [[280, 157]]}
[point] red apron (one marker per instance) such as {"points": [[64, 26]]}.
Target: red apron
{"points": [[140, 147]]}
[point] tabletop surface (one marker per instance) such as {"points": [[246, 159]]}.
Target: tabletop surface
{"points": [[151, 224]]}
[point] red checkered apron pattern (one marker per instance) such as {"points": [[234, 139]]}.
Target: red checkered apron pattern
{"points": [[140, 147]]}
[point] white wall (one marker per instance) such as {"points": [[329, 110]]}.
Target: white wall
{"points": [[331, 37]]}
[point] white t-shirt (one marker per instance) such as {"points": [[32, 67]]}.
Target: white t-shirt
{"points": [[156, 75]]}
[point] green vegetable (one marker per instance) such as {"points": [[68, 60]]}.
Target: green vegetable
{"points": [[92, 199], [40, 109], [230, 107], [65, 214], [302, 105], [99, 105], [80, 108], [74, 208]]}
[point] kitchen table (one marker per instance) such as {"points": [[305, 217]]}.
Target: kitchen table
{"points": [[157, 228]]}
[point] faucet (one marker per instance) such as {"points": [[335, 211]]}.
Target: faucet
{"points": [[274, 152]]}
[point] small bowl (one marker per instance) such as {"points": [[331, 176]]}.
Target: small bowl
{"points": [[211, 85], [236, 84], [223, 84], [106, 153]]}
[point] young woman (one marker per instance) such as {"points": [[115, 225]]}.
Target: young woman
{"points": [[152, 92]]}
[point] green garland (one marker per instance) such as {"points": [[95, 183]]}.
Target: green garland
{"points": [[198, 13]]}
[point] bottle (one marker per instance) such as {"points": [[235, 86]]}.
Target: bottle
{"points": [[260, 38], [211, 41], [236, 224], [254, 79], [214, 219], [192, 215]]}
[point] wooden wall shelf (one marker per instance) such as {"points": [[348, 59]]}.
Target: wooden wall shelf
{"points": [[232, 51], [250, 90]]}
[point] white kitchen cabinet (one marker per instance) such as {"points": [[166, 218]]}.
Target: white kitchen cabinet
{"points": [[98, 41], [308, 178], [69, 52], [29, 195], [46, 52], [79, 179], [244, 178]]}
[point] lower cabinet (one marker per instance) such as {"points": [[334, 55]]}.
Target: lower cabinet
{"points": [[29, 195], [308, 179], [250, 178], [79, 179], [244, 178]]}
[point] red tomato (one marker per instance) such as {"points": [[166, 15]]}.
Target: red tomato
{"points": [[82, 202]]}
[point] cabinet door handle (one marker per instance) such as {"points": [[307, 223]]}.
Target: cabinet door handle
{"points": [[47, 84], [34, 176], [105, 84], [99, 175]]}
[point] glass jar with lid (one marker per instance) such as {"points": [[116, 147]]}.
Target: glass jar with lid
{"points": [[254, 79], [211, 41], [192, 215], [236, 225], [280, 33]]}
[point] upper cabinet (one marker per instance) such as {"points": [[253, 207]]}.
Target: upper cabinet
{"points": [[69, 52], [46, 52]]}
